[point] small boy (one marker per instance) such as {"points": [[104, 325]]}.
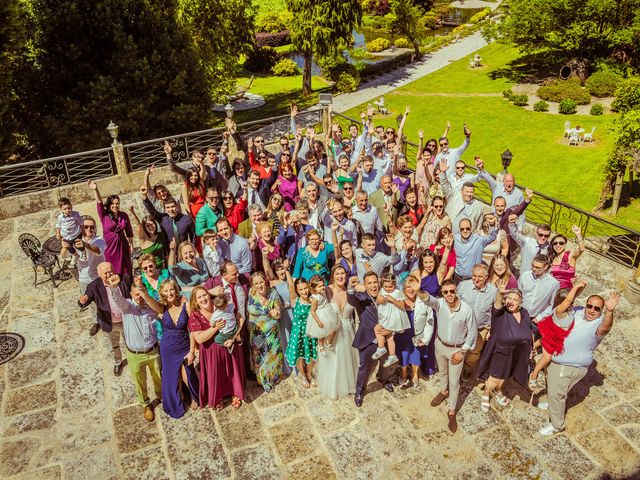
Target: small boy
{"points": [[224, 310], [210, 252], [68, 226]]}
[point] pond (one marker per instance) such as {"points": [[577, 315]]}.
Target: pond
{"points": [[361, 38]]}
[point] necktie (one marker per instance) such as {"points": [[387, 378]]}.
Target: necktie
{"points": [[253, 196], [232, 287], [174, 228]]}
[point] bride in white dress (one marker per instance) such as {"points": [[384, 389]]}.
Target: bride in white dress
{"points": [[337, 371]]}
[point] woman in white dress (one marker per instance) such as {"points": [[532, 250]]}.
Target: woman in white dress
{"points": [[337, 371]]}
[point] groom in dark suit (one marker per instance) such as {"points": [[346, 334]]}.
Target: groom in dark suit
{"points": [[108, 315], [365, 338]]}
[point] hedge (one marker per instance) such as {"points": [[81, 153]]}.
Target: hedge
{"points": [[603, 83], [567, 106], [378, 45], [559, 90]]}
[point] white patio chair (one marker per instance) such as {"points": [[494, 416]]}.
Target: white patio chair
{"points": [[567, 129], [574, 138], [588, 137]]}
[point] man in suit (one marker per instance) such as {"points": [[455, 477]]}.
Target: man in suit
{"points": [[236, 288], [387, 200], [259, 189], [108, 313], [365, 338]]}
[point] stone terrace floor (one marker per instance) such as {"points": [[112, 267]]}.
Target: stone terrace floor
{"points": [[64, 414]]}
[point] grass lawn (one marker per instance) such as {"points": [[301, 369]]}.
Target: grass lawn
{"points": [[541, 158], [263, 6]]}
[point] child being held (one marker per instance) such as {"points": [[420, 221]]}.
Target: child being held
{"points": [[392, 319], [210, 252], [555, 328], [224, 311], [68, 226], [322, 322]]}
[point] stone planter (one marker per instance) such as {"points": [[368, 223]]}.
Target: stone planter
{"points": [[633, 292]]}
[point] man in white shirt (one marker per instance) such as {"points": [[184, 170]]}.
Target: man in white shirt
{"points": [[539, 289], [529, 247], [569, 367], [451, 155], [461, 203], [456, 335], [366, 215]]}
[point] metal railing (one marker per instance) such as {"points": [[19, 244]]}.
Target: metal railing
{"points": [[602, 237], [56, 171], [140, 155]]}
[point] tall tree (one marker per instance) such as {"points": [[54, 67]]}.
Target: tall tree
{"points": [[320, 28], [409, 21], [128, 61], [592, 29], [11, 42], [222, 30]]}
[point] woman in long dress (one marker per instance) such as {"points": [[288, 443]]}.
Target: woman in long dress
{"points": [[180, 384], [338, 369], [264, 309]]}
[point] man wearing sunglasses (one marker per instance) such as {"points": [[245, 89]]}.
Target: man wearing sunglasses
{"points": [[529, 247], [461, 202], [591, 324], [451, 155]]}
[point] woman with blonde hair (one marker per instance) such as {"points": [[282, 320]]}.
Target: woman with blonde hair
{"points": [[500, 273], [180, 384], [222, 372], [191, 269], [151, 276]]}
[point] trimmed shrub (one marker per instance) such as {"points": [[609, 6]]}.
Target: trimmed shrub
{"points": [[403, 43], [359, 53], [264, 39], [261, 60], [596, 109], [430, 20], [331, 65], [378, 45], [559, 90], [627, 95], [481, 15], [338, 70], [508, 94], [567, 106], [603, 83], [285, 68], [520, 100], [541, 106], [347, 83], [274, 22], [360, 66]]}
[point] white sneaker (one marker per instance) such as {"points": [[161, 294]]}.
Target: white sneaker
{"points": [[379, 353], [549, 430], [543, 406], [390, 361]]}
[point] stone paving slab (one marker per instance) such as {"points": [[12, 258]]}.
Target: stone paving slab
{"points": [[65, 416]]}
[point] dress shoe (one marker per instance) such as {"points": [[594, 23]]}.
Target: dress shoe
{"points": [[117, 369], [149, 416], [388, 387], [357, 398], [94, 329], [438, 399], [453, 423]]}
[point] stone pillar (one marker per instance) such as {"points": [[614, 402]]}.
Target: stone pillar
{"points": [[121, 161]]}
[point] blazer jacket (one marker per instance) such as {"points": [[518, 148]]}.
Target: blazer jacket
{"points": [[97, 293]]}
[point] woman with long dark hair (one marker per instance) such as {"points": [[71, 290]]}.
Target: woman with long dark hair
{"points": [[193, 191], [116, 231]]}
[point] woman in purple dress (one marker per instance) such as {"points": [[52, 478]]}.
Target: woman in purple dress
{"points": [[221, 368], [410, 355], [287, 185], [177, 351], [116, 231]]}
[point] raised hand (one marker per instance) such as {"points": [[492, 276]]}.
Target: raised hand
{"points": [[143, 191], [443, 166], [250, 143], [168, 149], [92, 185], [407, 109], [612, 302], [576, 231], [479, 162], [294, 109], [114, 280], [420, 133], [173, 244], [580, 285], [370, 110], [513, 218], [137, 281], [528, 193]]}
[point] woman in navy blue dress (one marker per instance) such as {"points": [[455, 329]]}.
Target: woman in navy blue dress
{"points": [[180, 384]]}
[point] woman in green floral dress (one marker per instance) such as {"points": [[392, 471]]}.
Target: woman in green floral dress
{"points": [[264, 308], [301, 349]]}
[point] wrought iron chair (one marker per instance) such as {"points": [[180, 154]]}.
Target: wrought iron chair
{"points": [[32, 247]]}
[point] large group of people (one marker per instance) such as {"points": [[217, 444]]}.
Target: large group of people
{"points": [[326, 258]]}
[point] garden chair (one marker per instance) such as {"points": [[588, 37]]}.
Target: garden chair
{"points": [[574, 138], [472, 63], [588, 137], [32, 247], [567, 129]]}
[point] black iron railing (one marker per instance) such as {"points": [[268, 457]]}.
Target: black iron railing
{"points": [[608, 239]]}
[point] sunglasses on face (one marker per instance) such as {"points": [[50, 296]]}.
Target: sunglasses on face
{"points": [[259, 141], [262, 156], [448, 292], [459, 168], [438, 206], [559, 243], [465, 229], [593, 307], [227, 198], [149, 267], [544, 235], [89, 227], [444, 144]]}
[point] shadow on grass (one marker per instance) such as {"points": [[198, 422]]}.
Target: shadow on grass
{"points": [[531, 68]]}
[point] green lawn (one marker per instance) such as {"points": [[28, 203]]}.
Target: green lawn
{"points": [[541, 159], [262, 6]]}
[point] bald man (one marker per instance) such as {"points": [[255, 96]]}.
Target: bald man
{"points": [[108, 313], [507, 189]]}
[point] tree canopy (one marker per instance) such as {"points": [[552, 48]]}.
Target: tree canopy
{"points": [[409, 21], [320, 28], [591, 29]]}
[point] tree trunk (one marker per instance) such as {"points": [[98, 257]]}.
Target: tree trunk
{"points": [[416, 48], [630, 181], [306, 75], [617, 192]]}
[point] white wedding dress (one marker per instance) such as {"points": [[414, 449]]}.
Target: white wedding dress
{"points": [[338, 370]]}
